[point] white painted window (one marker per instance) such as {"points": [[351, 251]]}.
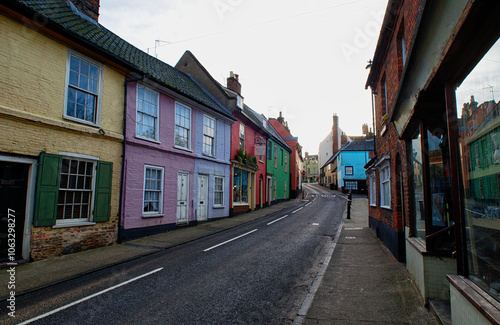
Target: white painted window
{"points": [[373, 190], [385, 186], [182, 126], [147, 113], [349, 170], [76, 190], [219, 191], [208, 136], [83, 89], [153, 190], [242, 136]]}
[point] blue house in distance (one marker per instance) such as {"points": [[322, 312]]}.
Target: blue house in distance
{"points": [[348, 166]]}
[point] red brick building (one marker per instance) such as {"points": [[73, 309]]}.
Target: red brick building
{"points": [[435, 182], [386, 173]]}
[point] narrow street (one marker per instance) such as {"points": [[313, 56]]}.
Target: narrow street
{"points": [[256, 273]]}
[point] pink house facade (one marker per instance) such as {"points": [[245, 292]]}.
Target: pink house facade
{"points": [[176, 157]]}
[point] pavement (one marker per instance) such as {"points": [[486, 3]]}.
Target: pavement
{"points": [[359, 282]]}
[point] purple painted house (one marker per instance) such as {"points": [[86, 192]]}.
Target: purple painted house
{"points": [[176, 155]]}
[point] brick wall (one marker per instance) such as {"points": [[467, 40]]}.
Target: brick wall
{"points": [[387, 140]]}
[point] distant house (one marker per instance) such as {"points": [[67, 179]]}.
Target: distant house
{"points": [[345, 170], [311, 167], [277, 156], [296, 160], [335, 140], [351, 160]]}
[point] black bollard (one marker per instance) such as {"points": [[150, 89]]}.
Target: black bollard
{"points": [[349, 200]]}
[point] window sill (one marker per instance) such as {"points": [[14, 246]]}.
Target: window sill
{"points": [[182, 148], [240, 204], [73, 224], [482, 301], [418, 244], [373, 205], [153, 215], [77, 120], [219, 207], [147, 139], [386, 207], [208, 155]]}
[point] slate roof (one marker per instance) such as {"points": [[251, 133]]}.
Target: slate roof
{"points": [[65, 19], [264, 125], [355, 145], [359, 145]]}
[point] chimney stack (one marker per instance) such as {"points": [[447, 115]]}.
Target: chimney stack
{"points": [[88, 7], [233, 83], [335, 134]]}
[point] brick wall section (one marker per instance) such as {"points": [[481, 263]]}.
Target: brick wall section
{"points": [[388, 142]]}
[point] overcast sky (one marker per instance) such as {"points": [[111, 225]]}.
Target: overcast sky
{"points": [[306, 59]]}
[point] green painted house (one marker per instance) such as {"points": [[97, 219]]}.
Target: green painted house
{"points": [[277, 161]]}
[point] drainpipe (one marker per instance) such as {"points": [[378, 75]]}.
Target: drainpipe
{"points": [[373, 121], [122, 171]]}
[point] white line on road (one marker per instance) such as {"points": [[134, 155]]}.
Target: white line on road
{"points": [[89, 297], [298, 210], [308, 203], [270, 223], [230, 240]]}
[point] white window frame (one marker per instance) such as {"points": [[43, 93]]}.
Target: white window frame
{"points": [[157, 118], [242, 136], [351, 173], [81, 221], [385, 178], [97, 120], [179, 105], [373, 189], [212, 151], [158, 213], [217, 205]]}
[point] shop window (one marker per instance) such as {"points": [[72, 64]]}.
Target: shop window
{"points": [[433, 221], [418, 187], [240, 186], [479, 130]]}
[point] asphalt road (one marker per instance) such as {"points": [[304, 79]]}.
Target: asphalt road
{"points": [[256, 273]]}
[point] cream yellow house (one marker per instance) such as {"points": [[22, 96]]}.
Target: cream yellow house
{"points": [[61, 131]]}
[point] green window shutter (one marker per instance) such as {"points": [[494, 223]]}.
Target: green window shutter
{"points": [[47, 190], [103, 191]]}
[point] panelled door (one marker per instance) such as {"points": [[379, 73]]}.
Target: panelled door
{"points": [[182, 197], [202, 197]]}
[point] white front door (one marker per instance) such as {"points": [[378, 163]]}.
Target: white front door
{"points": [[202, 197], [182, 197]]}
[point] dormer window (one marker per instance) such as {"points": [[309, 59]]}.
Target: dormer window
{"points": [[239, 101]]}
